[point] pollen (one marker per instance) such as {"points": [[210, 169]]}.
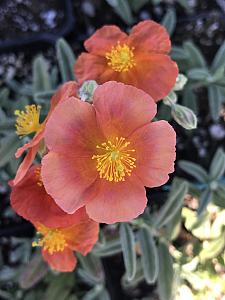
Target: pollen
{"points": [[116, 161], [121, 58], [38, 176], [27, 120], [52, 240]]}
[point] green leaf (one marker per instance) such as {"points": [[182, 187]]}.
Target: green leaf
{"points": [[204, 200], [169, 21], [34, 271], [149, 256], [66, 60], [122, 8], [8, 147], [128, 247], [4, 97], [41, 78], [172, 205], [139, 276], [43, 97], [7, 124], [194, 170], [184, 116], [109, 249], [178, 53], [173, 227], [92, 266], [219, 59], [212, 248], [200, 74], [166, 273], [136, 5], [97, 293], [196, 59], [215, 101], [217, 167], [189, 99]]}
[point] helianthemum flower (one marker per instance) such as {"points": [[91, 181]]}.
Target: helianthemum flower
{"points": [[59, 243], [102, 155], [30, 200], [140, 59], [28, 122]]}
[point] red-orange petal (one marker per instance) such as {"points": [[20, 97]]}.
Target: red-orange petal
{"points": [[156, 74], [63, 261], [30, 200], [117, 202], [155, 152], [66, 178], [121, 109], [83, 235], [150, 36], [104, 39]]}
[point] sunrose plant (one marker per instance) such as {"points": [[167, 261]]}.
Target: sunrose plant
{"points": [[139, 59], [102, 155]]}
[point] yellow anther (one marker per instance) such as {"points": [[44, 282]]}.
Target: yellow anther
{"points": [[121, 58], [28, 121], [115, 162], [38, 176], [52, 240]]}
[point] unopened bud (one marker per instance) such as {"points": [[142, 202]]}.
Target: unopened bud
{"points": [[184, 116], [86, 91]]}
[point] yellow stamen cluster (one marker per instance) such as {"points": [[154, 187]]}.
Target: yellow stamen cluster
{"points": [[28, 121], [116, 161], [38, 176], [52, 240], [121, 58]]}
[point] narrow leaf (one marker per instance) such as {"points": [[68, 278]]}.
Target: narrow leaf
{"points": [[8, 147], [109, 249], [196, 59], [204, 200], [149, 257], [219, 59], [128, 247], [200, 74], [217, 167], [41, 78], [122, 8], [215, 101], [166, 273], [66, 60], [169, 21], [194, 170]]}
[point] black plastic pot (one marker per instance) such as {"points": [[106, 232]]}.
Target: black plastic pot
{"points": [[43, 37]]}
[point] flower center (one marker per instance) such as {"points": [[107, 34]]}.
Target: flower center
{"points": [[38, 176], [28, 121], [121, 58], [52, 240], [116, 161]]}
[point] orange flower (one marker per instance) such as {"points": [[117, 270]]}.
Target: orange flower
{"points": [[28, 122], [59, 243], [140, 59], [30, 200], [102, 155]]}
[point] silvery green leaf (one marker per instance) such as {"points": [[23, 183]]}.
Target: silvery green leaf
{"points": [[190, 99], [8, 147], [149, 256], [87, 89], [204, 200], [172, 228], [172, 205], [217, 167], [128, 247], [122, 8], [7, 124], [139, 276], [200, 74], [41, 78], [178, 53], [66, 60], [219, 59], [194, 170], [219, 75], [43, 97], [97, 293], [180, 82], [136, 5], [170, 99], [196, 59], [169, 21], [215, 101], [184, 116], [109, 249], [166, 273]]}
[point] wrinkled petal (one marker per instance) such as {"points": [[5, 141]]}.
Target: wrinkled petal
{"points": [[89, 66], [30, 200], [66, 178], [83, 235], [104, 39], [150, 36], [155, 152], [120, 109], [64, 261], [156, 74], [72, 129], [117, 202], [26, 163]]}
